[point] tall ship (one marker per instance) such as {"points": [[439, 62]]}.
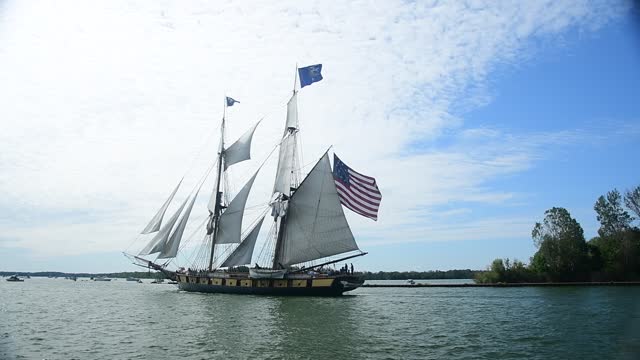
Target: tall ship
{"points": [[308, 233]]}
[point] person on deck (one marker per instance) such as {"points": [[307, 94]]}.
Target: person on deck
{"points": [[351, 268]]}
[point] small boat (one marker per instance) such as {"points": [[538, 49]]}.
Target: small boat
{"points": [[101, 279], [411, 282], [133, 279], [14, 278], [158, 281]]}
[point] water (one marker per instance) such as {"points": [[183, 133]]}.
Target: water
{"points": [[61, 319]]}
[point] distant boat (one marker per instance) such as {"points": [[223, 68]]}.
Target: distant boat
{"points": [[14, 278], [133, 279], [411, 282], [101, 279], [158, 281]]}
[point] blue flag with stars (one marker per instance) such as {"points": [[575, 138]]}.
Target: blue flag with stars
{"points": [[231, 101], [310, 74]]}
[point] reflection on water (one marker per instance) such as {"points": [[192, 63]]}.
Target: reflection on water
{"points": [[56, 318]]}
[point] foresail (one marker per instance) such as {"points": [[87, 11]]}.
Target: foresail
{"points": [[170, 247], [156, 244], [243, 253], [241, 149], [285, 165], [156, 221], [230, 224], [316, 225]]}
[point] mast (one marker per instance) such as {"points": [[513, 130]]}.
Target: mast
{"points": [[289, 131], [215, 216]]}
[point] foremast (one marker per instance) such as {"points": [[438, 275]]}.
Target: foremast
{"points": [[214, 214]]}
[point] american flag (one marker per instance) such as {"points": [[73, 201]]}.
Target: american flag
{"points": [[356, 191]]}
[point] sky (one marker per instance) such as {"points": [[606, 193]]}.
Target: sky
{"points": [[474, 117]]}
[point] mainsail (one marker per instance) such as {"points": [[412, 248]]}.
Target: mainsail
{"points": [[316, 226], [243, 253], [156, 221]]}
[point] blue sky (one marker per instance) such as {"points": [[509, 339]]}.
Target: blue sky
{"points": [[474, 117]]}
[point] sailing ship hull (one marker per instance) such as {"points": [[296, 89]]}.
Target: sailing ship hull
{"points": [[316, 286]]}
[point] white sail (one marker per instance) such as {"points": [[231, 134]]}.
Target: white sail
{"points": [[170, 247], [154, 224], [292, 113], [285, 165], [316, 226], [156, 244], [241, 149], [230, 224], [243, 253]]}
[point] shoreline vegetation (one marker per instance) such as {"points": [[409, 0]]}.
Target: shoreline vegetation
{"points": [[564, 255]]}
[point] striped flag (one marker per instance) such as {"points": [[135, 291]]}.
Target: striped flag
{"points": [[356, 191]]}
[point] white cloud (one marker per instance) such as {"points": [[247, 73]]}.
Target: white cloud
{"points": [[105, 105]]}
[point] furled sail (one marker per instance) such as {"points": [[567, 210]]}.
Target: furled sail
{"points": [[157, 243], [285, 165], [316, 226], [230, 224], [241, 149], [170, 248], [154, 224], [243, 253], [292, 113]]}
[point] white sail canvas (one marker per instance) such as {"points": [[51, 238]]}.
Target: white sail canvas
{"points": [[243, 253], [230, 224], [170, 247], [156, 244], [156, 221], [316, 225], [241, 149]]}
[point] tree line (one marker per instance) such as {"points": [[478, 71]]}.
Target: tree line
{"points": [[564, 255], [419, 275]]}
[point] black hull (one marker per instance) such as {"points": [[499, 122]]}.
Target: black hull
{"points": [[332, 286]]}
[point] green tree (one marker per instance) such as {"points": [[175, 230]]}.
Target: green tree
{"points": [[562, 250], [632, 200], [613, 218]]}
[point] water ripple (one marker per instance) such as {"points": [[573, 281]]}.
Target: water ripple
{"points": [[60, 319]]}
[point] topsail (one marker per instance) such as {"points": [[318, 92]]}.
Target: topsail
{"points": [[241, 149]]}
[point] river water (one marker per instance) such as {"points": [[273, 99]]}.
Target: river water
{"points": [[60, 319]]}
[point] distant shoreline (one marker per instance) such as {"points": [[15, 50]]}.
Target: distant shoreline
{"points": [[379, 275], [547, 284]]}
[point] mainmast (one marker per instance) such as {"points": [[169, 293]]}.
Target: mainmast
{"points": [[286, 168], [214, 217]]}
